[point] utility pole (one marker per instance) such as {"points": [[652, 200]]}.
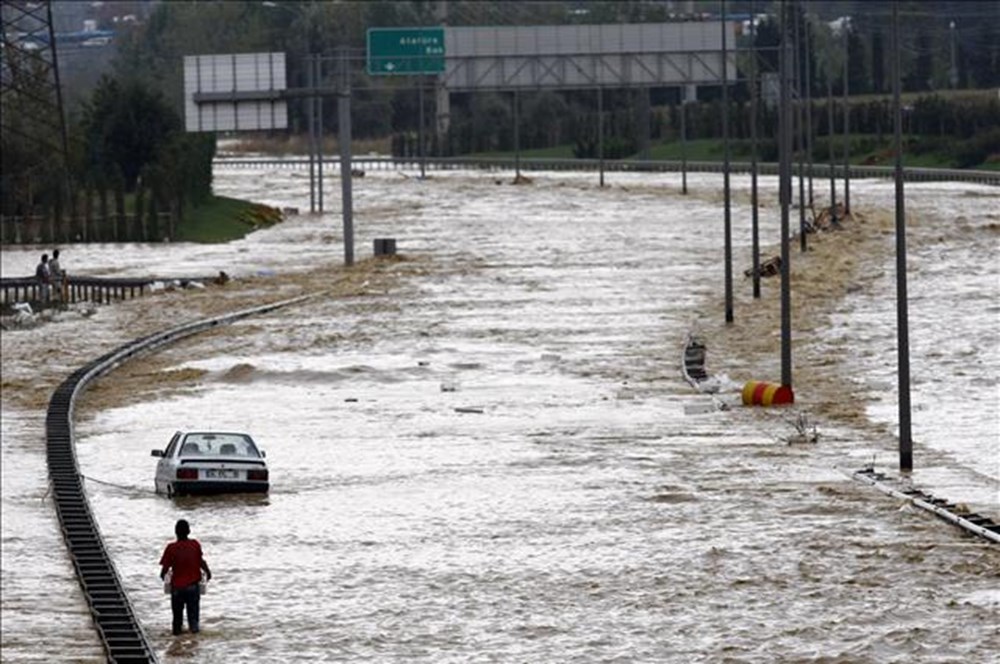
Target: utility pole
{"points": [[318, 100], [684, 138], [516, 101], [725, 173], [809, 114], [311, 108], [830, 136], [755, 216], [845, 26], [799, 140], [902, 314], [344, 139], [600, 131], [785, 190], [31, 76], [420, 129]]}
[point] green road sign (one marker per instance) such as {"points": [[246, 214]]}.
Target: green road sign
{"points": [[405, 50]]}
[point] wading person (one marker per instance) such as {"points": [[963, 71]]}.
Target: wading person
{"points": [[184, 558]]}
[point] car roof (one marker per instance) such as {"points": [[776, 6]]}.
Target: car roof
{"points": [[211, 432]]}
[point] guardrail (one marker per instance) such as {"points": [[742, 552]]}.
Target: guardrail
{"points": [[977, 524], [617, 165], [83, 289], [117, 626]]}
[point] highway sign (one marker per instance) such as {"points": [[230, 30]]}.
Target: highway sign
{"points": [[405, 51], [245, 92]]}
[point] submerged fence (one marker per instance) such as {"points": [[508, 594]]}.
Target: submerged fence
{"points": [[41, 229], [118, 627], [158, 227], [612, 165]]}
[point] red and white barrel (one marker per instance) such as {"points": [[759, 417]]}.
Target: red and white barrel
{"points": [[760, 393]]}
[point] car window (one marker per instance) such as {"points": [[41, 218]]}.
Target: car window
{"points": [[172, 445], [219, 444]]}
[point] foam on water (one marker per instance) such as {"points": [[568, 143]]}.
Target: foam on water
{"points": [[560, 502]]}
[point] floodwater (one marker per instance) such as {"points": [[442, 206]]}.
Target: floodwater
{"points": [[484, 450]]}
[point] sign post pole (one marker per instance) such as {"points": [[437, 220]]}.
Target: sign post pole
{"points": [[344, 139]]}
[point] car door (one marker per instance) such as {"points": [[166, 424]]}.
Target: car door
{"points": [[165, 466]]}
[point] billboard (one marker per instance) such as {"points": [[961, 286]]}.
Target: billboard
{"points": [[235, 92]]}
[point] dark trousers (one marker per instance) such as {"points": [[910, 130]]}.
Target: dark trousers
{"points": [[188, 597]]}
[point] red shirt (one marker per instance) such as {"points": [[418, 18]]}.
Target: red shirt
{"points": [[184, 556]]}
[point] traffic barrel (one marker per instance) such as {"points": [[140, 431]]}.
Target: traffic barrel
{"points": [[760, 393]]}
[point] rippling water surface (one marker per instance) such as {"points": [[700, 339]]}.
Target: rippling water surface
{"points": [[492, 461]]}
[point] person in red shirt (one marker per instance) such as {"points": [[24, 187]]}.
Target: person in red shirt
{"points": [[185, 559]]}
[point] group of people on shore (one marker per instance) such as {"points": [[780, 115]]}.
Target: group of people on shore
{"points": [[51, 278]]}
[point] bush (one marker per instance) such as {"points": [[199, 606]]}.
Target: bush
{"points": [[978, 150]]}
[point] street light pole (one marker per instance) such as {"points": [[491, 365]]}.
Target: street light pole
{"points": [[420, 127], [310, 113], [517, 134], [830, 136], [755, 216], [725, 174], [314, 94], [684, 135], [785, 191], [344, 140], [809, 114], [799, 139], [318, 101], [902, 314], [847, 124], [600, 132]]}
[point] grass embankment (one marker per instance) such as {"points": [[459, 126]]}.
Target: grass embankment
{"points": [[221, 219], [555, 152], [298, 144]]}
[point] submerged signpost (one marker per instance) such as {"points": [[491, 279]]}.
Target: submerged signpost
{"points": [[408, 51], [248, 92]]}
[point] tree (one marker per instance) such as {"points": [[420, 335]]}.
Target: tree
{"points": [[128, 125], [878, 61], [919, 78], [540, 119]]}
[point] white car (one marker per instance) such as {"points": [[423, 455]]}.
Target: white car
{"points": [[206, 462]]}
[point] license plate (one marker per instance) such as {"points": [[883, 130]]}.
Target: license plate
{"points": [[214, 474]]}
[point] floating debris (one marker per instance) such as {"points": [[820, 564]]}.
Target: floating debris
{"points": [[699, 408], [693, 363], [803, 433], [769, 268]]}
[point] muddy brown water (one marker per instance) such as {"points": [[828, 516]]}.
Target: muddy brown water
{"points": [[480, 452]]}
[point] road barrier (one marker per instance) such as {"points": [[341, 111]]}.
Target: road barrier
{"points": [[117, 626], [759, 393]]}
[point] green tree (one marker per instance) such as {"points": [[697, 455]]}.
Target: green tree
{"points": [[128, 125]]}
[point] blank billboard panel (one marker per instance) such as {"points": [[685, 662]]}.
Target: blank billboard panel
{"points": [[575, 56], [239, 76]]}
